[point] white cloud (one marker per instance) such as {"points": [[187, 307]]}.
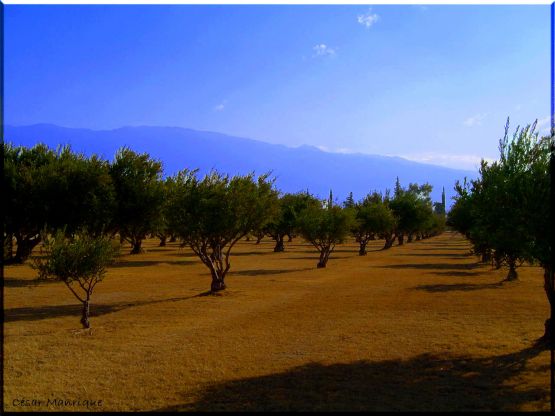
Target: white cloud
{"points": [[455, 161], [323, 50], [221, 106], [368, 19], [475, 120]]}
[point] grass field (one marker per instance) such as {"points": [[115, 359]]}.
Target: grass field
{"points": [[417, 327]]}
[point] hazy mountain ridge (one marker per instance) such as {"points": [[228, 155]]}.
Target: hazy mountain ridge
{"points": [[296, 168]]}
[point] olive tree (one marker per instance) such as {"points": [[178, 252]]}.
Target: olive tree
{"points": [[324, 227], [162, 229], [463, 218], [25, 197], [53, 189], [538, 196], [140, 195], [373, 219], [506, 212], [79, 261], [290, 206], [81, 194], [500, 215], [210, 215]]}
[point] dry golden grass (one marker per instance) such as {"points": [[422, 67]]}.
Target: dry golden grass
{"points": [[417, 327]]}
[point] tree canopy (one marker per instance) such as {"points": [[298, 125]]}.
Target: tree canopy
{"points": [[324, 227], [139, 194], [212, 214]]}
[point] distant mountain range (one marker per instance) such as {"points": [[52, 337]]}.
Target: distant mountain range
{"points": [[296, 168]]}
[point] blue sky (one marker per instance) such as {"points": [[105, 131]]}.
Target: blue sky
{"points": [[431, 83]]}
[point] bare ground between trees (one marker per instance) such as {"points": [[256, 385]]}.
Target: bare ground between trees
{"points": [[393, 330]]}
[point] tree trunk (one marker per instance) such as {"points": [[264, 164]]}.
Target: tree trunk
{"points": [[362, 249], [24, 249], [549, 287], [279, 244], [324, 256], [173, 239], [409, 238], [401, 239], [162, 241], [8, 248], [497, 260], [289, 238], [512, 275], [217, 283], [259, 238], [486, 256], [137, 247], [388, 242], [85, 315], [418, 237]]}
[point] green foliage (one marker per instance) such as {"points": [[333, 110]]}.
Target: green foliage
{"points": [[290, 206], [53, 189], [81, 258], [79, 261], [162, 227], [413, 209], [373, 218], [140, 195], [460, 216], [505, 212], [349, 202], [24, 192], [324, 228], [212, 214], [80, 192]]}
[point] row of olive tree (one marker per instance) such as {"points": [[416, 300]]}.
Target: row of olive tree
{"points": [[49, 190], [505, 213], [408, 214], [77, 204]]}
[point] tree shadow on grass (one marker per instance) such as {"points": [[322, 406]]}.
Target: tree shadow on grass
{"points": [[315, 257], [464, 287], [341, 250], [148, 263], [262, 272], [158, 249], [434, 266], [38, 313], [452, 256], [442, 248], [8, 282], [423, 383], [456, 273], [251, 253]]}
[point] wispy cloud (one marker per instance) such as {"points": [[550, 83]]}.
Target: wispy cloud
{"points": [[455, 161], [220, 106], [368, 19], [323, 50], [475, 120]]}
